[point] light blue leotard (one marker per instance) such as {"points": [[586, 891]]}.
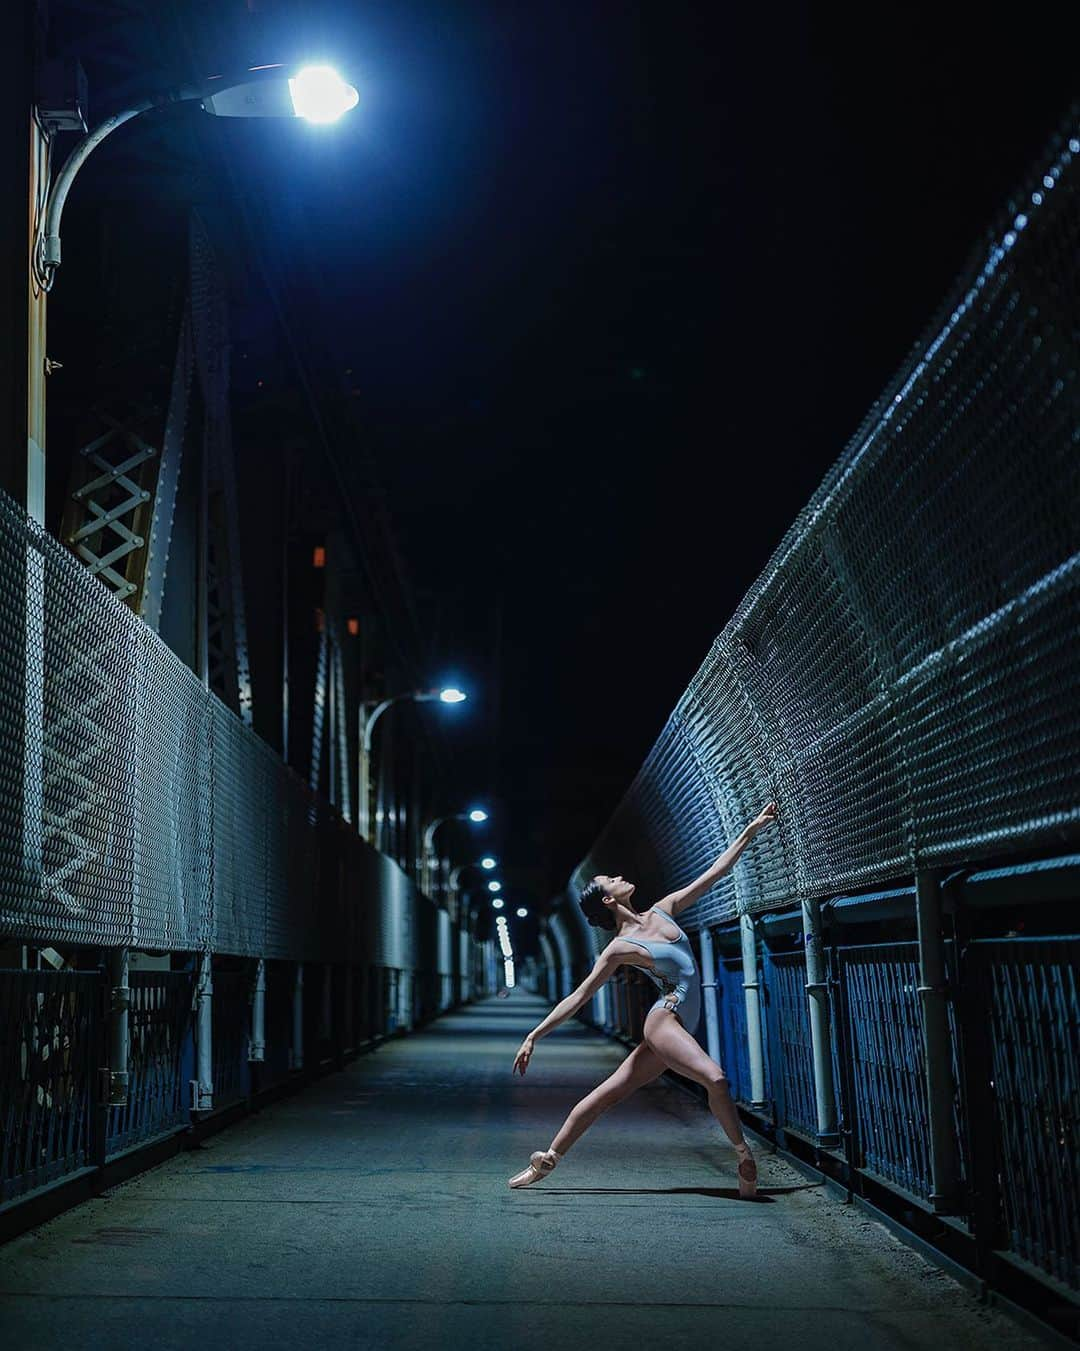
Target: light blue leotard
{"points": [[675, 973]]}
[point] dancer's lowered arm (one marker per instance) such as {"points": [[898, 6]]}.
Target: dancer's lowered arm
{"points": [[675, 902], [603, 969]]}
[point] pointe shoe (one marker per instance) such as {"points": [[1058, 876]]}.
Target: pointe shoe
{"points": [[746, 1173], [541, 1162]]}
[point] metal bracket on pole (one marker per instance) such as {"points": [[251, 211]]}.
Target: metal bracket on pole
{"points": [[937, 1057], [755, 1046], [296, 1054], [817, 990], [257, 1044], [119, 1004], [202, 1086], [708, 983]]}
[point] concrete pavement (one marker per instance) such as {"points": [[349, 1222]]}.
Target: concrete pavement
{"points": [[373, 1211]]}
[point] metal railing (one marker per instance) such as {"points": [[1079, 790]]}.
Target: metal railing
{"points": [[901, 678]]}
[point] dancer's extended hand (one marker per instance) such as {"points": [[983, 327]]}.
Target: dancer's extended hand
{"points": [[766, 818], [524, 1055]]}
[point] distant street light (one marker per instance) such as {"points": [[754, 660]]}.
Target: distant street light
{"points": [[476, 815], [494, 886], [369, 716], [521, 912], [487, 862], [497, 904], [315, 93]]}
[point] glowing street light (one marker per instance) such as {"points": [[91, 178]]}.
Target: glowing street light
{"points": [[428, 863], [319, 94], [369, 716], [315, 93], [497, 903], [521, 912], [494, 886], [487, 862]]}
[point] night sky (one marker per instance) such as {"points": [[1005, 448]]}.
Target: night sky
{"points": [[611, 285]]}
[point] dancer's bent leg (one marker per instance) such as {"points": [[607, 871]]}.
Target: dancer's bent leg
{"points": [[640, 1067], [678, 1049]]}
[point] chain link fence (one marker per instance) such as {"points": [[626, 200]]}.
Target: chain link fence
{"points": [[137, 811], [901, 678]]}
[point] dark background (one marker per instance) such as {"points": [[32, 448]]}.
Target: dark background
{"points": [[608, 286]]}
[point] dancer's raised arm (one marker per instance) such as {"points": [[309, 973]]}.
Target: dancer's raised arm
{"points": [[603, 969], [677, 901]]}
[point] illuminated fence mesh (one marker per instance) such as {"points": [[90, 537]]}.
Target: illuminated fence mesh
{"points": [[901, 677], [137, 811]]}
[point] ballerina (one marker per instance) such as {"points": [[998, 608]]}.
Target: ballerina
{"points": [[667, 1036]]}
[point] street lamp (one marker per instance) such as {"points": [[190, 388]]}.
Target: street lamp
{"points": [[369, 716], [497, 904], [484, 864], [521, 912], [494, 886], [315, 93], [476, 815]]}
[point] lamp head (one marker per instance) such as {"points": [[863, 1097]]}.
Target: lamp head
{"points": [[319, 94], [487, 863], [452, 696], [478, 814], [315, 93]]}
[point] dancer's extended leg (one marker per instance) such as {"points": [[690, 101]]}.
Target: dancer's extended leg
{"points": [[679, 1051], [640, 1067]]}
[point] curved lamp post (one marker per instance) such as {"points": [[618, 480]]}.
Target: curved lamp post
{"points": [[482, 865], [369, 716], [315, 93], [476, 815]]}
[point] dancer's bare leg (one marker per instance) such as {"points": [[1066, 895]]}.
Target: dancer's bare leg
{"points": [[682, 1053], [640, 1067]]}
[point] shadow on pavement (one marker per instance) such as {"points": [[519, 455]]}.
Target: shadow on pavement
{"points": [[725, 1193]]}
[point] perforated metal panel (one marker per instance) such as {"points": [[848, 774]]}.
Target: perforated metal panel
{"points": [[902, 675], [137, 810]]}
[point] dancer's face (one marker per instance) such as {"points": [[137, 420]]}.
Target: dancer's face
{"points": [[616, 888]]}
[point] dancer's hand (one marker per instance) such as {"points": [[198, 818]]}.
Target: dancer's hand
{"points": [[521, 1060], [766, 818]]}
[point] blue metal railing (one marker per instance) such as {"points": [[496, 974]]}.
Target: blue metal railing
{"points": [[790, 1056], [159, 1025]]}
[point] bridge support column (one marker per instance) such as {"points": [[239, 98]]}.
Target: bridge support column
{"points": [[817, 990], [257, 1044], [751, 988], [708, 994], [202, 1087], [296, 1053], [937, 1052]]}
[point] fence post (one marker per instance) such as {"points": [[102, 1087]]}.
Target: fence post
{"points": [[119, 1005], [937, 1058], [817, 990], [257, 1044], [751, 988], [348, 1038], [296, 1051], [708, 992], [202, 1086], [328, 1019]]}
